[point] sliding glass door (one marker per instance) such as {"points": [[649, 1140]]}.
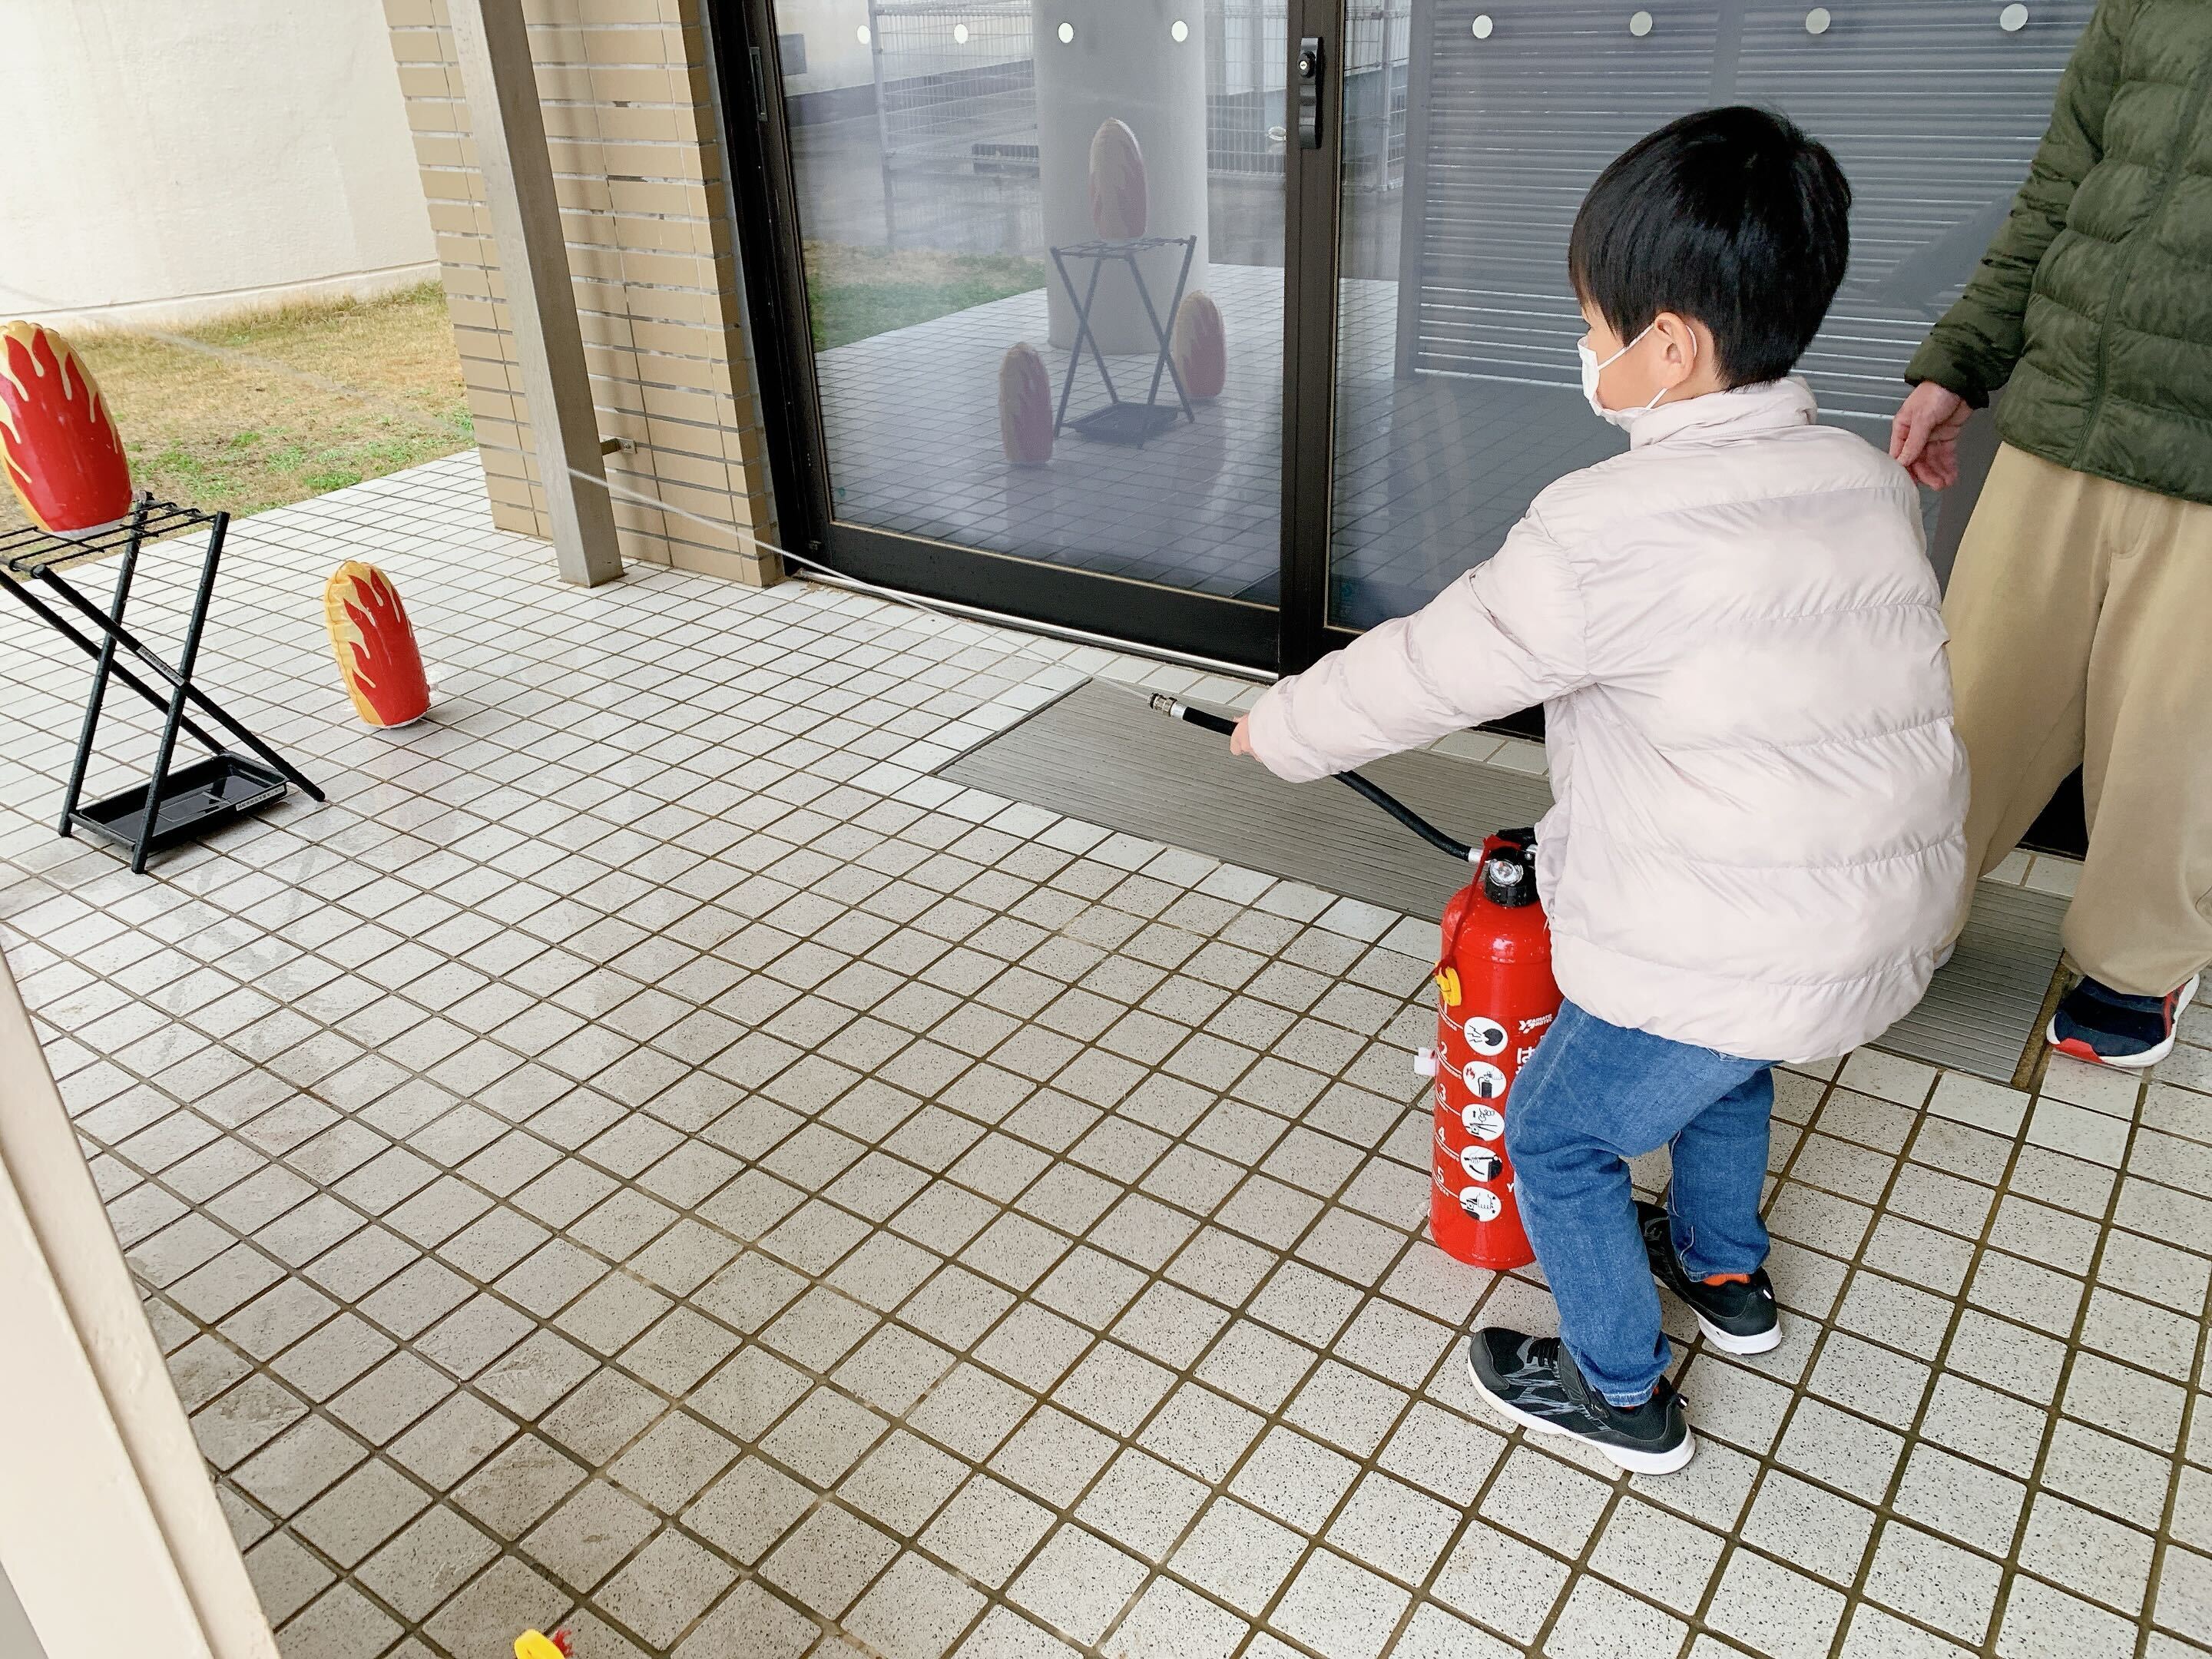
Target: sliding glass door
{"points": [[1457, 392], [1039, 252], [1237, 326]]}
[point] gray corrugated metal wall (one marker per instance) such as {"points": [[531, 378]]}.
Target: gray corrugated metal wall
{"points": [[1933, 109]]}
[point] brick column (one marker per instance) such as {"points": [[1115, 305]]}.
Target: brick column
{"points": [[629, 121]]}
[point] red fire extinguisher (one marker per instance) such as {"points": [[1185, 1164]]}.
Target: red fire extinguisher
{"points": [[1495, 999]]}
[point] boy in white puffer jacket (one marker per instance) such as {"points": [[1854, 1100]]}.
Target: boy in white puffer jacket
{"points": [[1756, 848]]}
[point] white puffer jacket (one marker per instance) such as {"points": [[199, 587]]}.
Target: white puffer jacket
{"points": [[1734, 630]]}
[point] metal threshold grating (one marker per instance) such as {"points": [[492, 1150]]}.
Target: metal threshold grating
{"points": [[1096, 754]]}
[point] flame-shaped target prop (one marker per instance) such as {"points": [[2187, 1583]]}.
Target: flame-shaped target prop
{"points": [[374, 644], [63, 456]]}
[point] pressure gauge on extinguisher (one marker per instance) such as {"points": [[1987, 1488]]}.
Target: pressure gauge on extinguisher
{"points": [[1505, 881]]}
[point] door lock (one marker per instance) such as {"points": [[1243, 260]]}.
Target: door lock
{"points": [[1308, 77]]}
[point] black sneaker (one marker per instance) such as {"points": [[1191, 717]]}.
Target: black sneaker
{"points": [[1534, 1380], [2112, 1028], [1736, 1311]]}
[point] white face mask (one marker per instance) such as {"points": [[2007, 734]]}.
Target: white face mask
{"points": [[1623, 418]]}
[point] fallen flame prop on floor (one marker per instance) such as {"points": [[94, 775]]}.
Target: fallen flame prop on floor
{"points": [[1201, 346], [1024, 406], [64, 458], [374, 644]]}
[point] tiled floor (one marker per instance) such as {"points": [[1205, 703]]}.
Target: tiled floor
{"points": [[648, 1155]]}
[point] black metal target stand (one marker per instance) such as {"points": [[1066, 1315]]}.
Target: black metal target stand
{"points": [[1122, 421], [176, 804]]}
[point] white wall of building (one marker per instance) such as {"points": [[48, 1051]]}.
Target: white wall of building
{"points": [[835, 55], [175, 160]]}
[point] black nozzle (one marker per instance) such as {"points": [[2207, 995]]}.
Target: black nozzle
{"points": [[1177, 709]]}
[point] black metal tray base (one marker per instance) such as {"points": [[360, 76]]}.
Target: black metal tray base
{"points": [[195, 800], [1126, 422]]}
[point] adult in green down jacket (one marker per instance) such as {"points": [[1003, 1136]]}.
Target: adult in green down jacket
{"points": [[2081, 605]]}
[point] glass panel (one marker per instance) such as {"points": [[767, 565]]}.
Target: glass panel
{"points": [[1458, 396], [955, 244]]}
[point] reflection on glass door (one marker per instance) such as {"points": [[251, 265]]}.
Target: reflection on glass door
{"points": [[1043, 249], [1457, 391]]}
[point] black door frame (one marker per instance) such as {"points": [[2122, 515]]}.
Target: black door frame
{"points": [[1312, 201], [1312, 261], [1280, 638]]}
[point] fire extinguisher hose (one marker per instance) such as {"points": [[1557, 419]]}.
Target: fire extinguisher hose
{"points": [[1390, 803]]}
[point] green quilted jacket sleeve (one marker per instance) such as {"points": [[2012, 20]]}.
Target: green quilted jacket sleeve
{"points": [[1972, 349]]}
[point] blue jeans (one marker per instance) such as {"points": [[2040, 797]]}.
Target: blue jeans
{"points": [[1593, 1095]]}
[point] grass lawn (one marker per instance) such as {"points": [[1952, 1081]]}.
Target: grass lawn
{"points": [[855, 292], [220, 431], [260, 411]]}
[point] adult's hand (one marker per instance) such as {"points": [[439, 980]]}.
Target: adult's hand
{"points": [[1924, 439], [1240, 740]]}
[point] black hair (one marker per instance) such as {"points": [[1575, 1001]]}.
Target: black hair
{"points": [[1733, 217]]}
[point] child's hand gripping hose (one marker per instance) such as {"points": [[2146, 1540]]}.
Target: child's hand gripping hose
{"points": [[1390, 804]]}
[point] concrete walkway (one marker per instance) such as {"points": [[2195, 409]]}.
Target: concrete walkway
{"points": [[648, 1156]]}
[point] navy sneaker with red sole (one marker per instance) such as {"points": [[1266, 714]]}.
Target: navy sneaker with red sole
{"points": [[1736, 1311], [2105, 1027]]}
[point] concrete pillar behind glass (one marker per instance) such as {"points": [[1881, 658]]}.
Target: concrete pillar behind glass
{"points": [[1124, 64]]}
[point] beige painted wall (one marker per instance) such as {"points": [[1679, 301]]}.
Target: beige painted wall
{"points": [[114, 1545], [630, 124], [174, 160]]}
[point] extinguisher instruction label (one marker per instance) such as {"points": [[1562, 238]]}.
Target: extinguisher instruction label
{"points": [[1482, 1203], [1484, 1081], [1483, 1122], [1485, 1035], [1481, 1163]]}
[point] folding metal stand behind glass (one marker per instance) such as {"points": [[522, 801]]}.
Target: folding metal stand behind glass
{"points": [[171, 807], [1121, 421]]}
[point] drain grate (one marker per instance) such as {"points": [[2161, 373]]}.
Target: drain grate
{"points": [[1097, 754]]}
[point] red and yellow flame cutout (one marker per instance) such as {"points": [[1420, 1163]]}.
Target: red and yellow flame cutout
{"points": [[375, 646], [63, 456]]}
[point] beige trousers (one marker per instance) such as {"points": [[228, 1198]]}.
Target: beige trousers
{"points": [[2081, 619]]}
